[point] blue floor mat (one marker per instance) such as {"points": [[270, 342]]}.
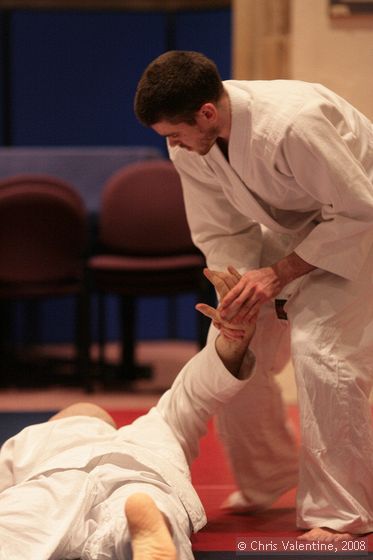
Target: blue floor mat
{"points": [[13, 422]]}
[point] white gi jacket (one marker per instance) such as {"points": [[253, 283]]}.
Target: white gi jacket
{"points": [[157, 448], [299, 177], [301, 164]]}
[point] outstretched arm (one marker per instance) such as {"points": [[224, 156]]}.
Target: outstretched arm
{"points": [[234, 338], [210, 378]]}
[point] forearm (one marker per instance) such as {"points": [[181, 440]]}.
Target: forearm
{"points": [[291, 267], [203, 385], [232, 353]]}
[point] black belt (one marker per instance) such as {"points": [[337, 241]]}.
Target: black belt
{"points": [[279, 307]]}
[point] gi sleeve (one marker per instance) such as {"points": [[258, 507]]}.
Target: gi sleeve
{"points": [[325, 154], [6, 465], [202, 386], [222, 233]]}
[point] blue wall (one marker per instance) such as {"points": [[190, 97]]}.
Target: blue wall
{"points": [[74, 74], [73, 80]]}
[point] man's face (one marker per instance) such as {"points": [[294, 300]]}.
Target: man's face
{"points": [[198, 137]]}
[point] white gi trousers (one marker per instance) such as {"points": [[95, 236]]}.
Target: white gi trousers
{"points": [[332, 348], [253, 426], [331, 324]]}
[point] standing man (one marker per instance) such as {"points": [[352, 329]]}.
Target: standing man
{"points": [[278, 182]]}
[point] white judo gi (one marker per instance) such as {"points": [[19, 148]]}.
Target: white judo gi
{"points": [[63, 484], [299, 177]]}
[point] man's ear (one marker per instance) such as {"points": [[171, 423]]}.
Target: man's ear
{"points": [[207, 113]]}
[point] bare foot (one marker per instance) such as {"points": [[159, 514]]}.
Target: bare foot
{"points": [[323, 534], [236, 503], [150, 536]]}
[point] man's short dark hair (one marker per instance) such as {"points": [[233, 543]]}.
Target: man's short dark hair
{"points": [[175, 86]]}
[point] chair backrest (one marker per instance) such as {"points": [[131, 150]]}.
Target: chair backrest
{"points": [[43, 229], [143, 211]]}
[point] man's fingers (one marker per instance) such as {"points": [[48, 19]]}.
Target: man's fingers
{"points": [[230, 310], [222, 281], [229, 280], [216, 281], [208, 273], [234, 272], [239, 300], [206, 310], [233, 294], [247, 314]]}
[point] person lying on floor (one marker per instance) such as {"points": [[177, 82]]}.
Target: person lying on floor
{"points": [[78, 487]]}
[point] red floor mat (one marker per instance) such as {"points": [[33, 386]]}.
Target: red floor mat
{"points": [[213, 482]]}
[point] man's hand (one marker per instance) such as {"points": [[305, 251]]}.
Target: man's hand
{"points": [[244, 300], [234, 339], [224, 282]]}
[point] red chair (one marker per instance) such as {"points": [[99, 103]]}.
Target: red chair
{"points": [[43, 234], [146, 247]]}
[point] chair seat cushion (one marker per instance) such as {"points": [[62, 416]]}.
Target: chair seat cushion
{"points": [[25, 290], [145, 264], [133, 276]]}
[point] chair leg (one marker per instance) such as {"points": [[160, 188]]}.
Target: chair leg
{"points": [[128, 322], [172, 317], [130, 370], [101, 328], [5, 338], [83, 338], [207, 295], [31, 322]]}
